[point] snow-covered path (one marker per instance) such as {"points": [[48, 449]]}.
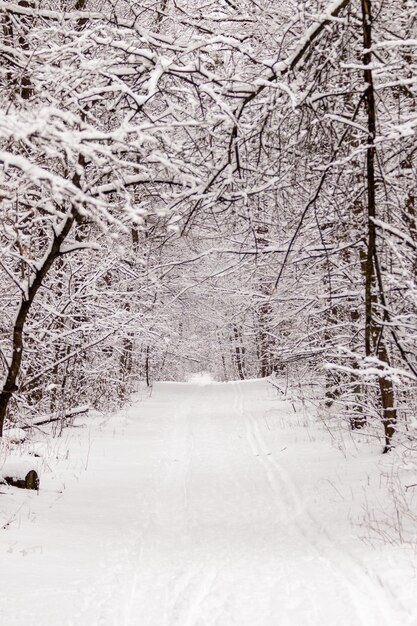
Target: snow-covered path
{"points": [[206, 505]]}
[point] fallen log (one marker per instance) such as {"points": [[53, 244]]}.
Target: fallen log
{"points": [[48, 419], [20, 472], [30, 481]]}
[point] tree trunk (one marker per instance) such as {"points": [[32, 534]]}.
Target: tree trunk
{"points": [[148, 367], [239, 352], [374, 341], [10, 385]]}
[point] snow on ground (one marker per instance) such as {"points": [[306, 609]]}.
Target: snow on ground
{"points": [[202, 378], [204, 505]]}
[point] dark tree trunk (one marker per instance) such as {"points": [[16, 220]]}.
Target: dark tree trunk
{"points": [[10, 384], [374, 340], [265, 344], [148, 367], [239, 352]]}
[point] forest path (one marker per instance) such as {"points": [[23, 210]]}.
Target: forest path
{"points": [[208, 505]]}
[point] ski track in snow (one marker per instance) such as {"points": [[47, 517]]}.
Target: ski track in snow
{"points": [[365, 595], [203, 513]]}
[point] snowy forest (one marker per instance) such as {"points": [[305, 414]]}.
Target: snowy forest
{"points": [[222, 188], [227, 187]]}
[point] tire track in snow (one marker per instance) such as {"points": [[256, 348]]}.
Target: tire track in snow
{"points": [[193, 584], [283, 487], [258, 448], [198, 588], [120, 568]]}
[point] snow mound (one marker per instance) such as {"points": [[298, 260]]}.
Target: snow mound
{"points": [[18, 466], [14, 435]]}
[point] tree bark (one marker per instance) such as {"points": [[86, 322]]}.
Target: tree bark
{"points": [[374, 340], [10, 385], [239, 352]]}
